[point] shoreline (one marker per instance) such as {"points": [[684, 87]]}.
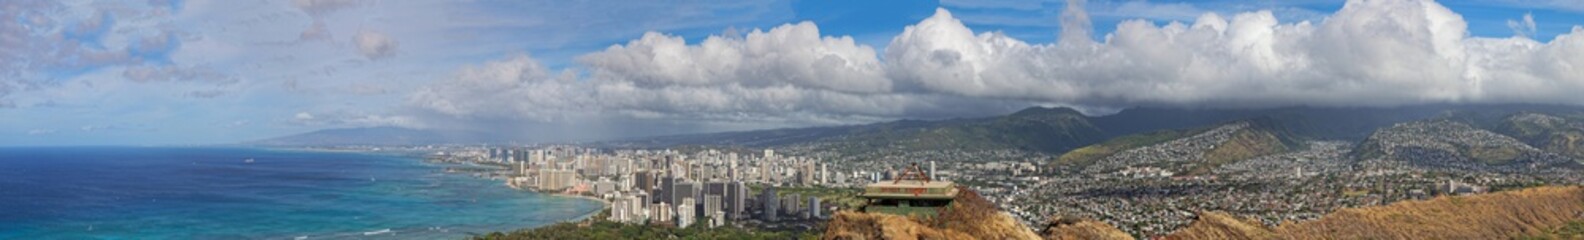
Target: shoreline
{"points": [[605, 205]]}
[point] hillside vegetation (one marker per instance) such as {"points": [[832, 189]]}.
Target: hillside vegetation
{"points": [[1089, 154], [1082, 229], [1561, 135], [1544, 211], [1443, 141], [1217, 225], [1244, 144]]}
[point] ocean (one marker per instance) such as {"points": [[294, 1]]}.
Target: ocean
{"points": [[215, 193]]}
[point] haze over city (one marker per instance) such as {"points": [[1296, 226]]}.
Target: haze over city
{"points": [[165, 72]]}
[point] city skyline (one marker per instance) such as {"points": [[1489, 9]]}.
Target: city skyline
{"points": [[214, 72]]}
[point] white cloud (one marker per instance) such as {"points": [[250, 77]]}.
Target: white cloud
{"points": [[517, 87], [1525, 28], [303, 116], [374, 45], [789, 74], [1370, 53]]}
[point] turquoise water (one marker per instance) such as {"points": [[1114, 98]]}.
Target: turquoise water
{"points": [[213, 193]]}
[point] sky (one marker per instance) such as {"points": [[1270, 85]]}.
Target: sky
{"points": [[195, 72]]}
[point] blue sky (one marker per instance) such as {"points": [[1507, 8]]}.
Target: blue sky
{"points": [[177, 72]]}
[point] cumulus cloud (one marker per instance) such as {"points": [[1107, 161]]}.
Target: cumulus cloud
{"points": [[1369, 53], [789, 74], [517, 87], [374, 45]]}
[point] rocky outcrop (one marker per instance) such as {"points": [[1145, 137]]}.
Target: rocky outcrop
{"points": [[968, 217]]}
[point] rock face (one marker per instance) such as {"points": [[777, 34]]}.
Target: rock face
{"points": [[968, 217]]}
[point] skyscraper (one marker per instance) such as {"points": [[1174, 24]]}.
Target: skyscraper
{"points": [[644, 180], [736, 200], [789, 205], [824, 174], [771, 204], [685, 212], [667, 186], [814, 207], [683, 190], [712, 206]]}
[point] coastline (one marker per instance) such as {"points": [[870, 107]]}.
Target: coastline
{"points": [[606, 205]]}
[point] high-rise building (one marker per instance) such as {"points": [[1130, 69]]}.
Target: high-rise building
{"points": [[766, 174], [630, 209], [604, 186], [814, 207], [789, 205], [684, 213], [715, 188], [661, 211], [806, 174], [644, 181], [619, 211], [824, 174], [712, 206], [771, 204], [667, 186], [682, 190], [540, 158], [551, 180], [736, 200], [731, 169]]}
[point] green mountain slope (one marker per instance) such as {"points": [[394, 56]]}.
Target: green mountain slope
{"points": [[1190, 152], [1556, 134], [1450, 143]]}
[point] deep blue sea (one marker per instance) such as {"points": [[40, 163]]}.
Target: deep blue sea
{"points": [[213, 193]]}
